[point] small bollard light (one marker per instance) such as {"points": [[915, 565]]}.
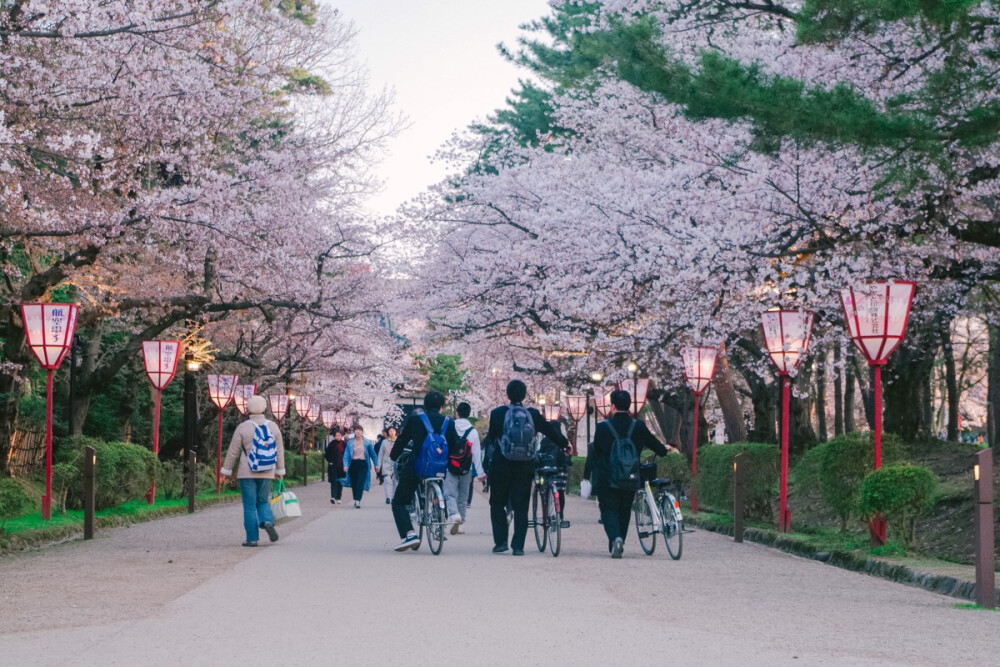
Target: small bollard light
{"points": [[89, 491], [975, 472], [982, 474], [739, 496]]}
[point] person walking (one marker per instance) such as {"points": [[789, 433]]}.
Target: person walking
{"points": [[462, 468], [257, 445], [359, 459], [514, 427], [412, 438], [334, 456], [619, 440], [386, 468]]}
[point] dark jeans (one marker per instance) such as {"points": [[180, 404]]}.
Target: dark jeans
{"points": [[357, 474], [336, 488], [510, 480], [616, 511], [406, 485], [472, 490]]}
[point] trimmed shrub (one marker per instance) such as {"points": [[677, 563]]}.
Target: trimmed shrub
{"points": [[170, 481], [675, 466], [846, 460], [124, 472], [14, 502], [314, 464], [714, 481], [901, 494]]}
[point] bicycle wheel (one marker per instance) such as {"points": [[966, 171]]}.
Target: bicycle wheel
{"points": [[644, 526], [416, 517], [435, 519], [673, 525], [555, 527], [538, 515]]}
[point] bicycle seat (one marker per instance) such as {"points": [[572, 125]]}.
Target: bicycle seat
{"points": [[661, 482], [547, 470]]}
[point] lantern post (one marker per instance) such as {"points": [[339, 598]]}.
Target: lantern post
{"points": [[49, 328], [576, 406], [786, 337], [312, 416], [221, 389], [159, 358], [699, 367], [876, 315]]}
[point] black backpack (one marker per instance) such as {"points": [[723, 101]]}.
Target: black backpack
{"points": [[623, 460], [461, 462]]}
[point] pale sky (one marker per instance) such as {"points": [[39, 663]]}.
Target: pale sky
{"points": [[440, 56]]}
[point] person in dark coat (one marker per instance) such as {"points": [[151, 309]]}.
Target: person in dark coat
{"points": [[412, 438], [614, 499], [334, 456], [511, 480]]}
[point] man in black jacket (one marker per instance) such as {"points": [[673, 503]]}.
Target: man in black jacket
{"points": [[512, 479], [412, 436], [614, 498]]}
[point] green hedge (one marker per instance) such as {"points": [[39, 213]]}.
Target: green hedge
{"points": [[170, 484], [14, 501], [124, 472], [714, 481], [315, 464], [843, 463], [901, 494]]}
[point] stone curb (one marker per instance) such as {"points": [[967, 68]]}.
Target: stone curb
{"points": [[847, 560]]}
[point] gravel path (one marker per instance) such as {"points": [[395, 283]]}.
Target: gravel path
{"points": [[332, 590]]}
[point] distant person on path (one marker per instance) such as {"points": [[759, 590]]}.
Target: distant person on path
{"points": [[359, 459], [334, 456], [412, 437], [258, 447], [514, 427], [465, 465], [615, 495], [386, 468]]}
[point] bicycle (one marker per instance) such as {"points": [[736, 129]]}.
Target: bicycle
{"points": [[548, 496], [657, 512], [428, 511]]}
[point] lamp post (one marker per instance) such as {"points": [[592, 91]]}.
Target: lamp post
{"points": [[242, 395], [159, 358], [640, 387], [596, 379], [576, 406], [699, 367], [191, 366], [49, 328], [877, 314], [221, 389], [786, 336]]}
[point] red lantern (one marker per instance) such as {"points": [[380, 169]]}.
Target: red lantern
{"points": [[221, 389], [699, 367], [786, 336], [877, 314], [312, 415], [49, 328], [602, 402], [576, 406], [551, 412], [302, 404], [159, 358], [242, 395], [329, 419], [279, 406]]}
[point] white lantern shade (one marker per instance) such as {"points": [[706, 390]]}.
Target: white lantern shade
{"points": [[242, 395], [160, 357], [279, 405], [302, 403], [602, 402], [576, 406], [786, 337], [343, 420], [49, 328], [877, 314], [221, 389], [551, 412], [639, 387], [699, 366], [329, 418], [312, 414]]}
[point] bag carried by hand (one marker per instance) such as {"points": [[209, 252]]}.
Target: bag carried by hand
{"points": [[284, 504]]}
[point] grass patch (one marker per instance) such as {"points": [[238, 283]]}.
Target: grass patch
{"points": [[975, 607]]}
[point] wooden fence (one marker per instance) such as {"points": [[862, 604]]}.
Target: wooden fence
{"points": [[26, 453]]}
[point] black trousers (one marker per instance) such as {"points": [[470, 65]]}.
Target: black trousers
{"points": [[616, 512], [406, 485], [510, 480], [357, 474], [336, 488]]}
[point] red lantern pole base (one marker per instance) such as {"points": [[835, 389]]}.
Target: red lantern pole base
{"points": [[784, 514], [694, 454], [151, 494]]}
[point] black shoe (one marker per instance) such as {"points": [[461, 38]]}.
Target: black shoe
{"points": [[333, 501], [248, 543], [518, 552], [388, 501], [564, 524], [617, 548], [500, 548], [268, 527]]}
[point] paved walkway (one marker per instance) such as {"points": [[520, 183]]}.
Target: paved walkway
{"points": [[331, 591]]}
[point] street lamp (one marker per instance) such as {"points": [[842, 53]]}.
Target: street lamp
{"points": [[49, 328], [242, 395], [191, 366], [576, 406], [877, 314], [551, 412], [596, 378], [640, 387], [159, 358], [699, 367], [786, 337], [221, 389]]}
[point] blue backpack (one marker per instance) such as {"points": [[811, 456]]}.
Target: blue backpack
{"points": [[433, 458], [263, 454]]}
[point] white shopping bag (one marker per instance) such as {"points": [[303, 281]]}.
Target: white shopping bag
{"points": [[284, 504], [585, 489]]}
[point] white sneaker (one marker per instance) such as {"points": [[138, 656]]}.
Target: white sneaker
{"points": [[456, 522], [461, 529]]}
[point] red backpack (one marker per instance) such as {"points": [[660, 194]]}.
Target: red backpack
{"points": [[460, 462]]}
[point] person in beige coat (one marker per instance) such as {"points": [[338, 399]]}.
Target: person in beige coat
{"points": [[255, 487]]}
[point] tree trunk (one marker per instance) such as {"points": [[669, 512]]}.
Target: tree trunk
{"points": [[903, 380], [927, 405], [765, 408], [802, 435], [862, 373], [838, 392], [84, 383], [951, 381], [821, 395], [729, 402], [849, 384]]}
